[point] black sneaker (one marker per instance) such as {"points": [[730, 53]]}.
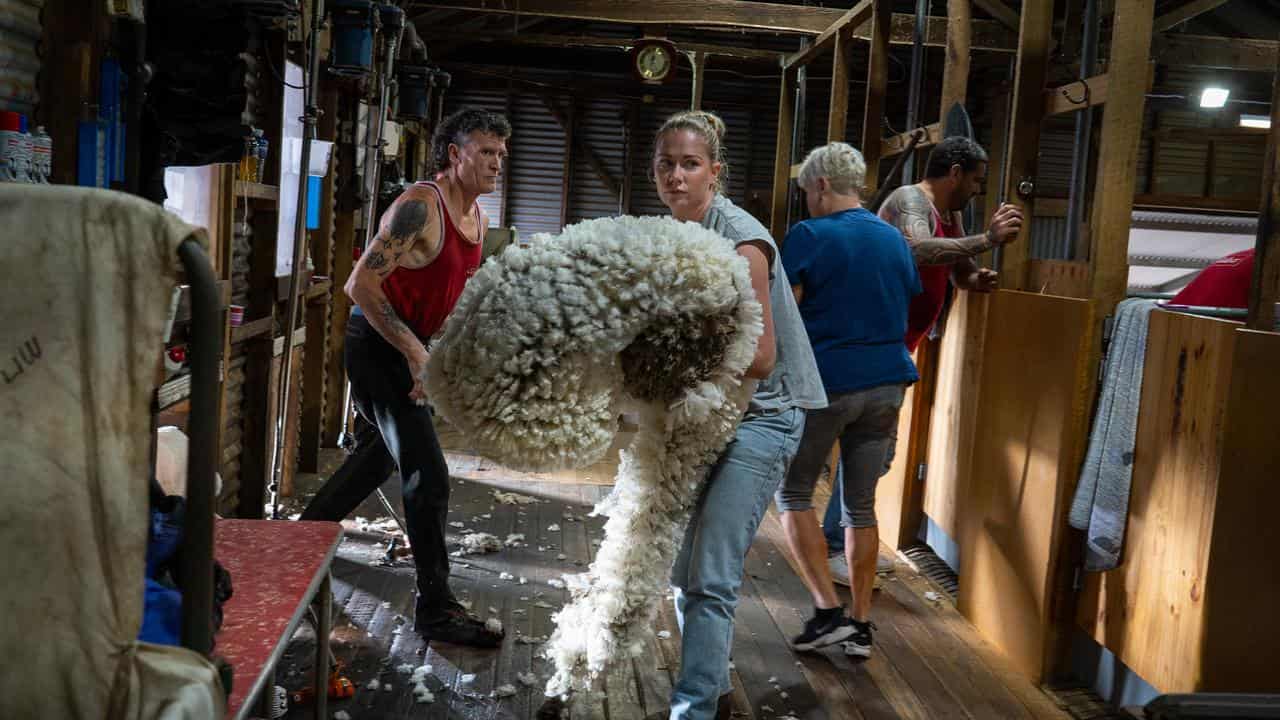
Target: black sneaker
{"points": [[859, 644], [553, 708], [459, 629], [819, 632]]}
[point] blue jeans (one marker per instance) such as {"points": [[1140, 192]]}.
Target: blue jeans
{"points": [[708, 570]]}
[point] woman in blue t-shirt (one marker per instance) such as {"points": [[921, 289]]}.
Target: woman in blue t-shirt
{"points": [[853, 278]]}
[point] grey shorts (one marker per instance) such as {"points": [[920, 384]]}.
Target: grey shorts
{"points": [[866, 424]]}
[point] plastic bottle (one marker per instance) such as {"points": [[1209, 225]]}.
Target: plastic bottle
{"points": [[249, 161], [42, 156], [27, 149], [263, 145]]}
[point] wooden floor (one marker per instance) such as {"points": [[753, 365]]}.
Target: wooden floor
{"points": [[928, 662]]}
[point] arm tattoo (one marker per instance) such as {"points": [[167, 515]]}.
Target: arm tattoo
{"points": [[407, 223], [910, 211], [376, 261], [393, 321]]}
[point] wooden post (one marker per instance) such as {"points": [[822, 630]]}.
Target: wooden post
{"points": [[631, 118], [877, 84], [343, 258], [1266, 260], [1118, 153], [1034, 39], [955, 73], [566, 181], [699, 60], [782, 154], [841, 62]]}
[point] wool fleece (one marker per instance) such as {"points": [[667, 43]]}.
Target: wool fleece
{"points": [[549, 341]]}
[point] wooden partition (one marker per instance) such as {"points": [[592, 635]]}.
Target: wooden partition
{"points": [[1006, 438], [1192, 606], [1027, 442], [955, 408]]}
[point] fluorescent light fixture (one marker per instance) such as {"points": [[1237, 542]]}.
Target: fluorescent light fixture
{"points": [[1214, 97], [1255, 121]]}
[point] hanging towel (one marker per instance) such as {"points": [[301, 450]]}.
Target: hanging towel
{"points": [[1101, 504]]}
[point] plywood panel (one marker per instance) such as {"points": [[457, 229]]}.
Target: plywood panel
{"points": [[891, 490], [1149, 610], [955, 410], [1065, 278], [1025, 456], [1241, 648]]}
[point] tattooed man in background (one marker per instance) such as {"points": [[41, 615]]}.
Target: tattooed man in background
{"points": [[404, 287], [928, 216]]}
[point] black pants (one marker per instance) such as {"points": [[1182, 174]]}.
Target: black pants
{"points": [[397, 433]]}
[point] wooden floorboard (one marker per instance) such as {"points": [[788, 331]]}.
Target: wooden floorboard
{"points": [[929, 663]]}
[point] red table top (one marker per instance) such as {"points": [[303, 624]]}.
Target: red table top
{"points": [[275, 566]]}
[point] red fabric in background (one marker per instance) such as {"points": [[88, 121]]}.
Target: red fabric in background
{"points": [[1225, 283]]}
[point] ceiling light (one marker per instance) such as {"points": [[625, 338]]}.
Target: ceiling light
{"points": [[1255, 121], [1214, 97]]}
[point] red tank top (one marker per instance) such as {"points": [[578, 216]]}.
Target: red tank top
{"points": [[423, 297], [925, 307]]}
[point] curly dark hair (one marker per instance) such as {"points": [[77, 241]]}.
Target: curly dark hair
{"points": [[455, 128], [954, 151]]}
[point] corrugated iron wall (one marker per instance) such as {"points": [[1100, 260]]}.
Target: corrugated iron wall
{"points": [[601, 128], [19, 63], [537, 165], [538, 145]]}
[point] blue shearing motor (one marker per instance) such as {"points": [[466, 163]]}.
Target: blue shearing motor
{"points": [[354, 22]]}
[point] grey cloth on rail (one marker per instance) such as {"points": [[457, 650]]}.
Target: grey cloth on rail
{"points": [[1101, 504]]}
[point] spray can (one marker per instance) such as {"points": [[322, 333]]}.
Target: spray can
{"points": [[12, 167], [42, 156], [263, 145], [10, 146]]}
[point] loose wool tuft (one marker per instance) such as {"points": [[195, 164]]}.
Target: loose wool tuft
{"points": [[545, 344]]}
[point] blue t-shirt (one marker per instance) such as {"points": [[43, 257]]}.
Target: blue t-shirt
{"points": [[858, 278]]}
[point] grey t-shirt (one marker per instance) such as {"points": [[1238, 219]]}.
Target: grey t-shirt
{"points": [[795, 381]]}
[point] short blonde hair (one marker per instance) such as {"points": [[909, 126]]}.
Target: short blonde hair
{"points": [[709, 127], [840, 163]]}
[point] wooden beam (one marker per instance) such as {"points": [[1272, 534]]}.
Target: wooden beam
{"points": [[1167, 201], [566, 180], [782, 154], [985, 35], [877, 85], [998, 10], [1215, 52], [774, 17], [699, 61], [893, 146], [856, 16], [1184, 13], [606, 43], [1228, 134], [998, 153], [1034, 39], [838, 114], [955, 73], [1266, 260], [1118, 154], [1075, 96], [601, 170]]}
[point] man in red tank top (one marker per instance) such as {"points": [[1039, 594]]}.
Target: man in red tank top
{"points": [[928, 215], [404, 286]]}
